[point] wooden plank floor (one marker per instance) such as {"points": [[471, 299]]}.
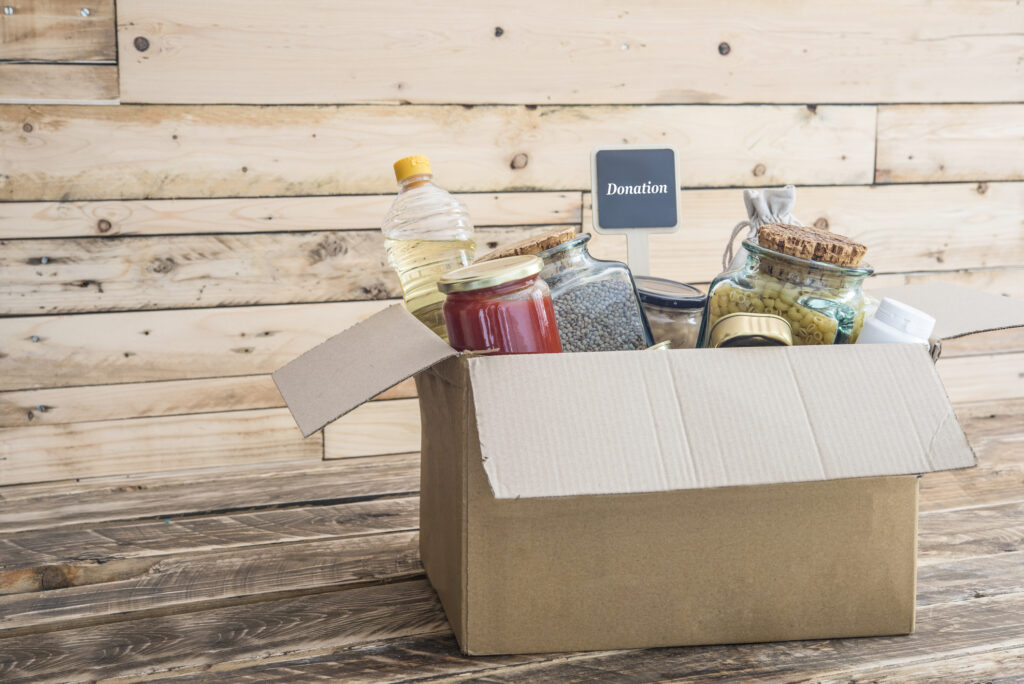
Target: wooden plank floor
{"points": [[274, 573]]}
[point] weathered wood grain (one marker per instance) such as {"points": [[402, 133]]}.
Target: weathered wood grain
{"points": [[994, 432], [909, 229], [58, 31], [102, 348], [1001, 664], [85, 555], [131, 400], [971, 578], [419, 658], [994, 341], [138, 273], [263, 214], [136, 152], [56, 351], [206, 492], [58, 83], [906, 227], [950, 143], [597, 52], [943, 631], [119, 447], [141, 569], [1008, 282], [54, 452], [310, 624], [197, 581], [379, 427], [969, 532], [981, 378], [150, 399]]}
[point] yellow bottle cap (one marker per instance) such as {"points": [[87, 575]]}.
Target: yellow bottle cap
{"points": [[416, 165]]}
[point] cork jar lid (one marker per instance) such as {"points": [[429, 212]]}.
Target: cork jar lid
{"points": [[811, 243], [535, 244]]}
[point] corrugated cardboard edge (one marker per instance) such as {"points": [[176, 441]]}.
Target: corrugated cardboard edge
{"points": [[352, 367], [443, 512], [525, 463]]}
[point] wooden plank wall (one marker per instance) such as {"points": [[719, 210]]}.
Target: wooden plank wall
{"points": [[161, 256]]}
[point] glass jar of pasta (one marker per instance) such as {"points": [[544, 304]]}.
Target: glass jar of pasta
{"points": [[823, 303]]}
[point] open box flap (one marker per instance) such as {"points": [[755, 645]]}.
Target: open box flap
{"points": [[333, 378], [629, 422], [958, 311]]}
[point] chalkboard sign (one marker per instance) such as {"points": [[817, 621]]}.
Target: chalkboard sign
{"points": [[635, 191]]}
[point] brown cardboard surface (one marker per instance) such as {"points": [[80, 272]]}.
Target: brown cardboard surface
{"points": [[731, 565], [724, 565], [333, 378], [621, 422], [959, 311], [445, 410]]}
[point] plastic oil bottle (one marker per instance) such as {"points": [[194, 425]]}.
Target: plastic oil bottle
{"points": [[427, 233]]}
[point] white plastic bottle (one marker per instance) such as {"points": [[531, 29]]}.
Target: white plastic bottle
{"points": [[896, 322], [427, 233]]}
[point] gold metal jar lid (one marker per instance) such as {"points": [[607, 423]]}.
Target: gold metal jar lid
{"points": [[664, 344], [490, 273], [751, 330]]}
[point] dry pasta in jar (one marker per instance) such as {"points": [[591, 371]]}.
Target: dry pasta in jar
{"points": [[823, 303]]}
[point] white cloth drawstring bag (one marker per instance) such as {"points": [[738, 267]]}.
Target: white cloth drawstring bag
{"points": [[774, 205]]}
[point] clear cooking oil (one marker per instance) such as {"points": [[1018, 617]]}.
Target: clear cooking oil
{"points": [[427, 233], [419, 265]]}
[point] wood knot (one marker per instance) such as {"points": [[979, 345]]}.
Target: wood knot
{"points": [[982, 188], [162, 265], [103, 226], [498, 32], [821, 223], [520, 161], [327, 248], [27, 127], [141, 43], [54, 577], [759, 170], [724, 48]]}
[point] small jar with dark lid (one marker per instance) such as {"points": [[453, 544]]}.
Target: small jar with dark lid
{"points": [[674, 310], [501, 306]]}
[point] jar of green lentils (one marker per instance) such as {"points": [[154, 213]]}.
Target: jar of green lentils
{"points": [[824, 303], [596, 303]]}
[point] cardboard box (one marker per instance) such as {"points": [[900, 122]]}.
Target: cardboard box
{"points": [[637, 499]]}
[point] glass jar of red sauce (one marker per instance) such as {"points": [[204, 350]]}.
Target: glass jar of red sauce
{"points": [[500, 305]]}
